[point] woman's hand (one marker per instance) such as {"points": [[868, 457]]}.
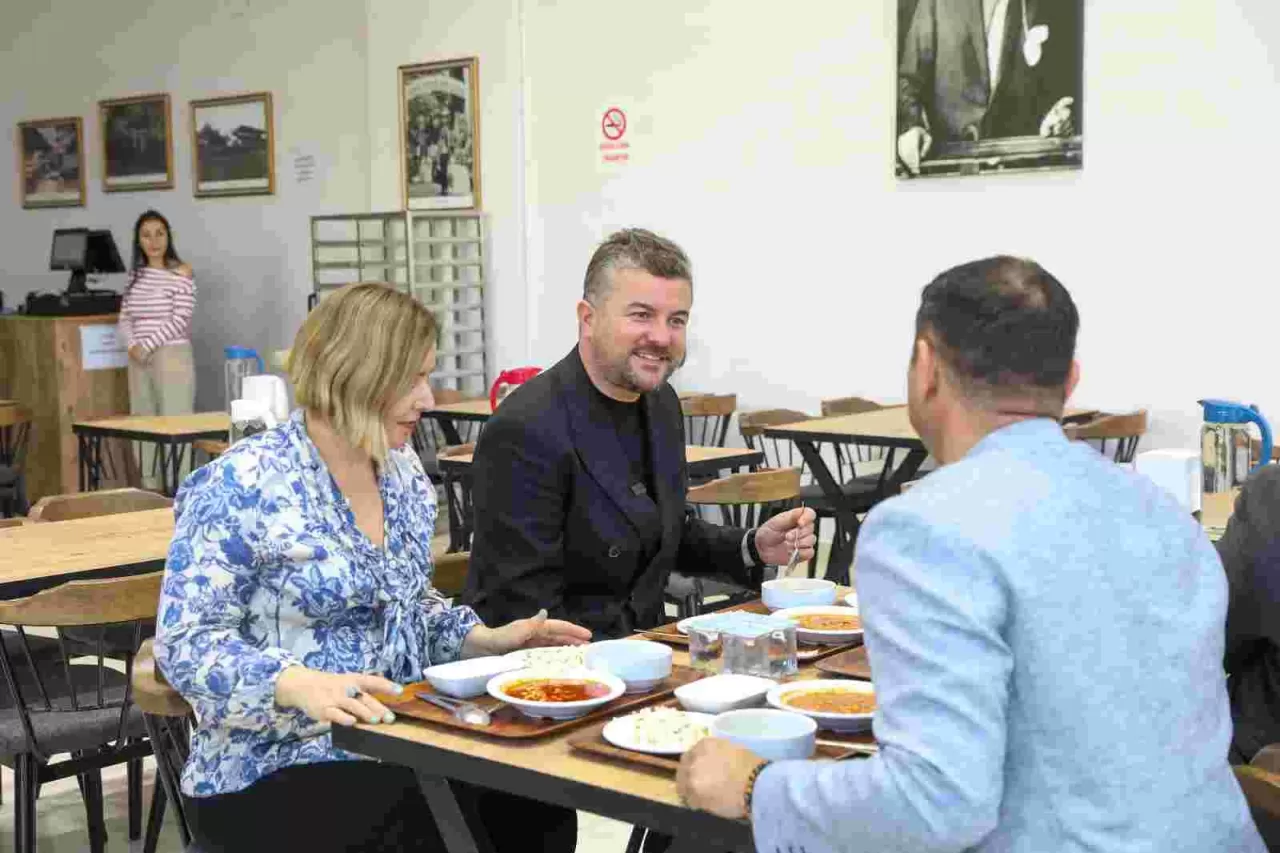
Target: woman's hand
{"points": [[331, 697], [523, 634]]}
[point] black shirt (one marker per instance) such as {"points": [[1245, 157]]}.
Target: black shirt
{"points": [[632, 428]]}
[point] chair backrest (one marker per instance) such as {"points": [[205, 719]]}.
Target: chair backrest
{"points": [[746, 500], [151, 692], [1262, 792], [706, 418], [41, 684], [15, 435], [90, 504], [778, 452], [849, 406], [1125, 430], [450, 572]]}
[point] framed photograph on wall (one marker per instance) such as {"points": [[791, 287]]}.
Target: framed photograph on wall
{"points": [[137, 143], [51, 162], [233, 145], [989, 86], [440, 135]]}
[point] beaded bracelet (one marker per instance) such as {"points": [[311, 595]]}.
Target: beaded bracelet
{"points": [[751, 786]]}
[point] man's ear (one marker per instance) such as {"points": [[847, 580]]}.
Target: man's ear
{"points": [[926, 367], [586, 313]]}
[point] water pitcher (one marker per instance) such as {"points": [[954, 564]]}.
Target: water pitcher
{"points": [[240, 362], [1227, 455]]}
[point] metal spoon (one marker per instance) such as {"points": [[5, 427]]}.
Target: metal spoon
{"points": [[795, 553], [463, 711], [854, 748]]}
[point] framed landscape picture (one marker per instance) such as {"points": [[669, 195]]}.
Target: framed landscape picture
{"points": [[51, 162], [137, 143], [440, 135], [232, 142]]}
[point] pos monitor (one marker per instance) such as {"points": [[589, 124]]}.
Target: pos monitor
{"points": [[83, 251]]}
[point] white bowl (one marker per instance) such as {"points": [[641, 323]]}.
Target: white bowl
{"points": [[556, 710], [465, 679], [813, 635], [723, 692], [834, 722], [797, 592], [642, 664], [772, 735]]}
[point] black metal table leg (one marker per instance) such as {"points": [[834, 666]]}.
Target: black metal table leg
{"points": [[444, 807]]}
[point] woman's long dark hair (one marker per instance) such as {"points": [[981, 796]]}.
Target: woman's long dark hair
{"points": [[140, 257]]}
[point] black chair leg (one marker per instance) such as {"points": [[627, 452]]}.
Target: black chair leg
{"points": [[155, 819], [24, 803], [94, 811], [134, 773]]}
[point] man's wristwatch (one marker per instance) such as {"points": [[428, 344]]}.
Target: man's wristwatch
{"points": [[752, 551]]}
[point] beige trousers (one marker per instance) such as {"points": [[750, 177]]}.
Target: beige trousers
{"points": [[165, 385]]}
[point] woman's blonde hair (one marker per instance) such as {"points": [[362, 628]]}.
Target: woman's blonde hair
{"points": [[359, 351]]}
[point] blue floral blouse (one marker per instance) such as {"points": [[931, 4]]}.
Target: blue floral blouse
{"points": [[268, 569]]}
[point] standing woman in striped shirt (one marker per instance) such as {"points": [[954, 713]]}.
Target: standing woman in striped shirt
{"points": [[155, 322]]}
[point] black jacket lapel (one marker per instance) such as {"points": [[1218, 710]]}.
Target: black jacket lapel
{"points": [[666, 450]]}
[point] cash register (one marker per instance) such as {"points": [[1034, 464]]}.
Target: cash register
{"points": [[83, 252]]}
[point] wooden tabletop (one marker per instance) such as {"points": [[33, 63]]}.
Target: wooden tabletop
{"points": [[472, 408], [8, 402], [35, 556], [693, 454], [893, 423], [168, 426]]}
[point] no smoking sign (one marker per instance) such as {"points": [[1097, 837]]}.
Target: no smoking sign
{"points": [[615, 150]]}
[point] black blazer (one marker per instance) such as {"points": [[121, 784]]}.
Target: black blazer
{"points": [[553, 510], [1250, 551]]}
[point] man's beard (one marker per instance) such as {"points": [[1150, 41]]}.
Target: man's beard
{"points": [[624, 376]]}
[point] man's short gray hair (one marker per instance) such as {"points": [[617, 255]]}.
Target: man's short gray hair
{"points": [[634, 249]]}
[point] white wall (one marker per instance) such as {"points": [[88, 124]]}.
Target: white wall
{"points": [[251, 254], [761, 141]]}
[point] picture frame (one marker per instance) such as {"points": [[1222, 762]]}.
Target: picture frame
{"points": [[233, 145], [440, 135], [51, 163], [137, 143], [1015, 106]]}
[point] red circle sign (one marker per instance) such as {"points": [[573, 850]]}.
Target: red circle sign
{"points": [[614, 124]]}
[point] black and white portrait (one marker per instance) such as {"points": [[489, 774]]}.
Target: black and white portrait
{"points": [[51, 159], [137, 149], [233, 144], [440, 135], [989, 86]]}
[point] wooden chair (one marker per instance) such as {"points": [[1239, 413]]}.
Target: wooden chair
{"points": [[16, 521], [778, 452], [744, 500], [457, 494], [849, 406], [15, 437], [1261, 787], [84, 710], [90, 504], [706, 418], [1126, 430], [212, 448], [168, 720], [450, 573]]}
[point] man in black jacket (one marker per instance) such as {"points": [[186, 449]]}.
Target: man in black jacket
{"points": [[580, 476], [579, 481], [1250, 551]]}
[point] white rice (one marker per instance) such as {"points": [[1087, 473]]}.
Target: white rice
{"points": [[665, 728]]}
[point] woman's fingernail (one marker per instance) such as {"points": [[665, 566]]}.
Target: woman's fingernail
{"points": [[399, 689], [389, 717]]}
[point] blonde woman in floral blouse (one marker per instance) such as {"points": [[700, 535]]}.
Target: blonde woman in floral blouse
{"points": [[299, 583]]}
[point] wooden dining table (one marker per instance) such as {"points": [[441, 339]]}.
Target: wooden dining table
{"points": [[888, 428], [172, 436], [448, 415], [38, 556]]}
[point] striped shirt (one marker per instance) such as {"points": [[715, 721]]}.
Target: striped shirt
{"points": [[157, 308]]}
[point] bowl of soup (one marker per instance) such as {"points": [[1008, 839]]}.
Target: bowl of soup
{"points": [[556, 694], [834, 624], [835, 704]]}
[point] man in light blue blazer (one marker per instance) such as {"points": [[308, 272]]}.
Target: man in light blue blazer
{"points": [[1045, 627]]}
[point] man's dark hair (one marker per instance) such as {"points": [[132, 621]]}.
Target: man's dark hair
{"points": [[635, 249], [1003, 326]]}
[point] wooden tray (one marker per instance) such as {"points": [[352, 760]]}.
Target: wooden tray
{"points": [[805, 652], [852, 664], [508, 722], [592, 741]]}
